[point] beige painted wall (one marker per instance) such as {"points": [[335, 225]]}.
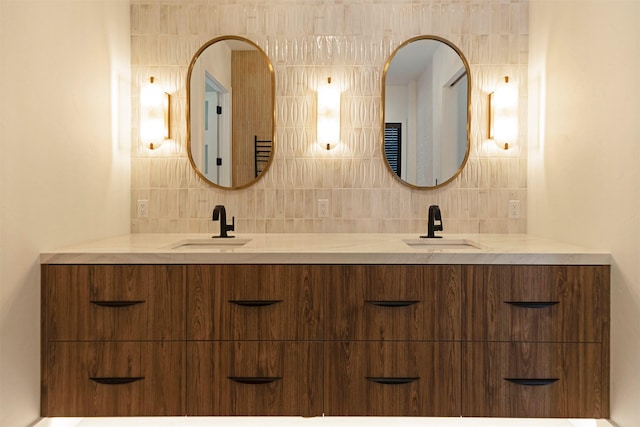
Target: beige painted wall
{"points": [[64, 161], [584, 180]]}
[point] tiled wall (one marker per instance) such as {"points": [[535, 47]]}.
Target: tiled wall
{"points": [[349, 40]]}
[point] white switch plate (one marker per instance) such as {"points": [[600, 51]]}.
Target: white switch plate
{"points": [[323, 208], [514, 209], [143, 208]]}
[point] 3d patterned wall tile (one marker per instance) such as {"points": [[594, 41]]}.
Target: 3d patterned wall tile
{"points": [[307, 41]]}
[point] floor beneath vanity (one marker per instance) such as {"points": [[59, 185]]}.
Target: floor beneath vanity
{"points": [[315, 422]]}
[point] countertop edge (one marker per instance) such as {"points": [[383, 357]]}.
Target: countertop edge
{"points": [[328, 258], [331, 248]]}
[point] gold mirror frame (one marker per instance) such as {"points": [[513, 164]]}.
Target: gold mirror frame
{"points": [[188, 111], [468, 127]]}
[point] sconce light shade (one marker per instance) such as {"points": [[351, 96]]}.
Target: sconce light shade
{"points": [[328, 115], [154, 115], [503, 114]]}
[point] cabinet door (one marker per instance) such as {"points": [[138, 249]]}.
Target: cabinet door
{"points": [[392, 378], [254, 378], [535, 303], [392, 302], [532, 380], [87, 379], [113, 302], [254, 302]]}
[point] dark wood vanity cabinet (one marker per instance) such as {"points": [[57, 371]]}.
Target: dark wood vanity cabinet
{"points": [[392, 378], [392, 340], [254, 302], [393, 302], [122, 378], [397, 340], [254, 340], [254, 378], [535, 341], [113, 340]]}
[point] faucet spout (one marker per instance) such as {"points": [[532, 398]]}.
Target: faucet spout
{"points": [[432, 227], [220, 213]]}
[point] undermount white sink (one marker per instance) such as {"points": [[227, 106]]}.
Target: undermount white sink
{"points": [[441, 244], [210, 243]]}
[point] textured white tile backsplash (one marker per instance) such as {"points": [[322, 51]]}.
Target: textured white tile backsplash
{"points": [[308, 40]]}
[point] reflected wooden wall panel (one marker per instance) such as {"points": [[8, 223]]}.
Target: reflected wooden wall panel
{"points": [[252, 114]]}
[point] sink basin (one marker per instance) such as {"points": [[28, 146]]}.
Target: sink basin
{"points": [[210, 243], [441, 244]]}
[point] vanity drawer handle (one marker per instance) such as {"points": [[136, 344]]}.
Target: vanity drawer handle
{"points": [[254, 303], [254, 380], [532, 381], [392, 380], [532, 304], [400, 303], [115, 380], [116, 304]]}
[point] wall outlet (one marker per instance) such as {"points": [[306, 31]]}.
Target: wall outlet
{"points": [[323, 208], [143, 209], [514, 209]]}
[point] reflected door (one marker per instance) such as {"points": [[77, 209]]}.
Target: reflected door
{"points": [[217, 143], [454, 120]]}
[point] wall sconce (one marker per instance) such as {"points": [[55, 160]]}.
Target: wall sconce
{"points": [[503, 114], [328, 115], [154, 115]]}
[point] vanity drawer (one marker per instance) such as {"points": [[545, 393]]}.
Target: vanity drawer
{"points": [[86, 379], [254, 378], [535, 303], [393, 302], [113, 302], [532, 380], [254, 302], [392, 378]]}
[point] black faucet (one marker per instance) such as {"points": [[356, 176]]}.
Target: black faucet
{"points": [[220, 213], [432, 227]]}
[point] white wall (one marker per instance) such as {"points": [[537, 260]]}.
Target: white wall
{"points": [[584, 184], [64, 161]]}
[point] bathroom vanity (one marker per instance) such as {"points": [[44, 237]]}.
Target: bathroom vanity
{"points": [[344, 324]]}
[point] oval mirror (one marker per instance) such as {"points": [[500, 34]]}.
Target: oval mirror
{"points": [[426, 109], [230, 112]]}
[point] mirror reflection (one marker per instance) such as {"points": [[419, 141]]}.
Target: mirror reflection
{"points": [[230, 112], [426, 93]]}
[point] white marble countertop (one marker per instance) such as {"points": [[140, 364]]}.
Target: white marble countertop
{"points": [[342, 248]]}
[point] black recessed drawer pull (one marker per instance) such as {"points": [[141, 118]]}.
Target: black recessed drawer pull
{"points": [[400, 303], [116, 304], [533, 304], [254, 303], [532, 381], [254, 380], [392, 380], [115, 380]]}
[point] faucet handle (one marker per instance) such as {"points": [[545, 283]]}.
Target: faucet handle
{"points": [[434, 216], [437, 217]]}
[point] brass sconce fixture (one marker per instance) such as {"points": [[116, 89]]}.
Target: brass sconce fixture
{"points": [[328, 123], [154, 115], [503, 114]]}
